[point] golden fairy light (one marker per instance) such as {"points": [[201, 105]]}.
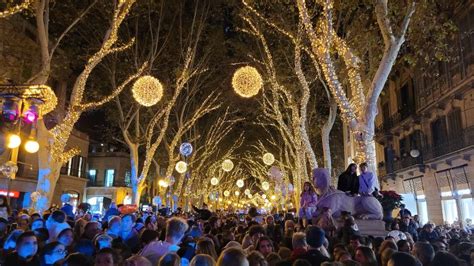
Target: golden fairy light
{"points": [[181, 167], [226, 193], [147, 91], [247, 81], [214, 181], [50, 100], [240, 183], [227, 165], [265, 185], [268, 158]]}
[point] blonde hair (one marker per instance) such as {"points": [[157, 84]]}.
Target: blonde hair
{"points": [[202, 260], [206, 246]]}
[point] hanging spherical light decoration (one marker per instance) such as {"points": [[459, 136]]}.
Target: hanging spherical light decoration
{"points": [[265, 185], [249, 195], [181, 167], [226, 193], [247, 191], [237, 193], [227, 165], [264, 196], [214, 181], [240, 183], [268, 158], [147, 91], [247, 82], [186, 149], [32, 146], [170, 180]]}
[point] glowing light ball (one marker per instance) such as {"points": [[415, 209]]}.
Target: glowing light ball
{"points": [[265, 185], [226, 193], [32, 146], [13, 141], [264, 196], [170, 180], [227, 165], [214, 181], [273, 197], [240, 183], [249, 195], [237, 193], [268, 158], [147, 91], [414, 153], [247, 191], [181, 167], [247, 82], [31, 115], [163, 183], [186, 149]]}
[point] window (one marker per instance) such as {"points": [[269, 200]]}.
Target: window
{"points": [[92, 174], [128, 180], [69, 166], [455, 123], [109, 177], [79, 170], [439, 132]]}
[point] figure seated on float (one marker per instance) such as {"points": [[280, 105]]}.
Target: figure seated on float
{"points": [[365, 206]]}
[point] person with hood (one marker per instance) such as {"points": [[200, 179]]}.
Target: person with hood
{"points": [[348, 181], [55, 223]]}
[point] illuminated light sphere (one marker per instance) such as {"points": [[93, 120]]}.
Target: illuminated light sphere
{"points": [[273, 197], [414, 153], [264, 196], [250, 195], [163, 183], [265, 185], [247, 191], [247, 82], [13, 141], [268, 158], [237, 193], [227, 165], [32, 146], [240, 183], [181, 167], [186, 149], [214, 181], [170, 180], [226, 193], [147, 91]]}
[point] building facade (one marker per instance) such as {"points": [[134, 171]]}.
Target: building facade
{"points": [[425, 133], [108, 177]]}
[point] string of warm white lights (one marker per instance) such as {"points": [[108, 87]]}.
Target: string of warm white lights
{"points": [[16, 9]]}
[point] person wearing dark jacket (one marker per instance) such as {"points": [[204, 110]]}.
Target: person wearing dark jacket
{"points": [[407, 226], [315, 237], [349, 181]]}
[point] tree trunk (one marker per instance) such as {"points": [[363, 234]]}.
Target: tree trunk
{"points": [[325, 133], [136, 190], [365, 146]]}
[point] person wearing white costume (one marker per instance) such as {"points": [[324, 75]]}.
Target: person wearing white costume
{"points": [[368, 183]]}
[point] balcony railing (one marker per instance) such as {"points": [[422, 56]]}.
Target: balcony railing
{"points": [[453, 143], [101, 183], [406, 162]]}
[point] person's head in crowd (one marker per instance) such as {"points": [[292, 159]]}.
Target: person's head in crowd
{"points": [[206, 246], [148, 236], [4, 203], [107, 257], [428, 227], [349, 221], [342, 256], [365, 256], [150, 223], [264, 245], [402, 206], [289, 226], [424, 252], [202, 260], [386, 255], [175, 230], [53, 252], [255, 232], [128, 221], [439, 245], [403, 259], [170, 259], [38, 223], [388, 243], [85, 246], [443, 258], [103, 241], [273, 259], [315, 236], [42, 235], [27, 245], [299, 241], [232, 257], [66, 237], [284, 253], [404, 246], [114, 226], [355, 241], [363, 168], [394, 225], [464, 250], [77, 259], [23, 222], [256, 258], [406, 219], [91, 230], [10, 242], [137, 260], [270, 220], [300, 262]]}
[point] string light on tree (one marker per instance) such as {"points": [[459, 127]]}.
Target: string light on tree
{"points": [[181, 167], [247, 81], [265, 185], [240, 183], [214, 181], [268, 158], [247, 191], [147, 91], [237, 193], [226, 193], [227, 165]]}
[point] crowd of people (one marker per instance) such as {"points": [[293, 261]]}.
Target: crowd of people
{"points": [[128, 236]]}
